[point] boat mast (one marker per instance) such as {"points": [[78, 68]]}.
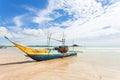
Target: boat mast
{"points": [[73, 45], [63, 39], [48, 38]]}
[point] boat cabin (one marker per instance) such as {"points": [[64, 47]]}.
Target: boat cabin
{"points": [[62, 49]]}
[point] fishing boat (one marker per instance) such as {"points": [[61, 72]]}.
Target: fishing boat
{"points": [[45, 54]]}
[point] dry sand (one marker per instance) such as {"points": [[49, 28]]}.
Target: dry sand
{"points": [[92, 64]]}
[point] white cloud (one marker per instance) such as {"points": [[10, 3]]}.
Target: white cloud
{"points": [[93, 24], [17, 26], [14, 30], [18, 21], [4, 32], [93, 28], [88, 20], [33, 32], [42, 15], [83, 10], [90, 16], [30, 9]]}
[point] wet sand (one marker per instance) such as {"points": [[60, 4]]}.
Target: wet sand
{"points": [[92, 64]]}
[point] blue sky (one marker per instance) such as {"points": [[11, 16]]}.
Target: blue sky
{"points": [[86, 22]]}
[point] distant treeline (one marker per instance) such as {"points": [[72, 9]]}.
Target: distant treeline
{"points": [[74, 45]]}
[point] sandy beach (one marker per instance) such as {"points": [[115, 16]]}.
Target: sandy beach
{"points": [[90, 64]]}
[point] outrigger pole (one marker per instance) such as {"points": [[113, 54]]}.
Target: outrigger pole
{"points": [[49, 38], [63, 39]]}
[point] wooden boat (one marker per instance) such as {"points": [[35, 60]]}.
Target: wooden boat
{"points": [[45, 54]]}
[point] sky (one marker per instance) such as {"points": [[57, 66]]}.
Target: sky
{"points": [[83, 22]]}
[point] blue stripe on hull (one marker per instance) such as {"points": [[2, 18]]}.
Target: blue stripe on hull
{"points": [[47, 57]]}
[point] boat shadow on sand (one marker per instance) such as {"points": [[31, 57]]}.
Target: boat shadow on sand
{"points": [[19, 62], [68, 59]]}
